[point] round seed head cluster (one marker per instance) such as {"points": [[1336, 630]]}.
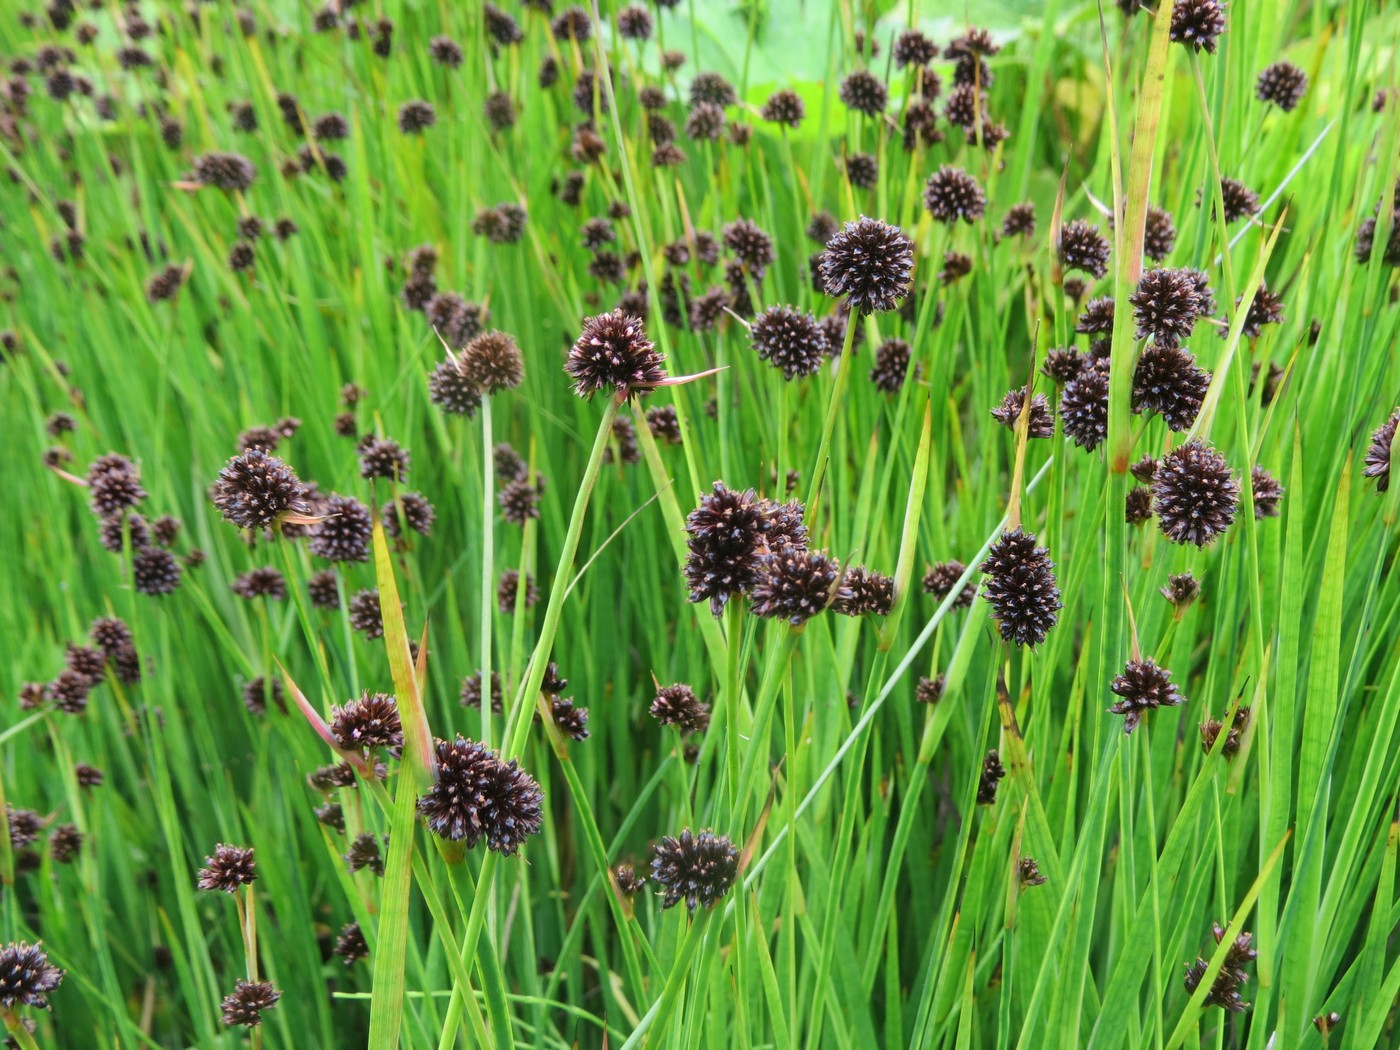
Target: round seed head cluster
{"points": [[1021, 588], [228, 868], [254, 488], [726, 539], [370, 722], [1143, 686], [784, 107], [245, 1004], [417, 512], [1377, 461], [365, 615], [1267, 492], [869, 263], [1159, 234], [794, 584], [26, 976], [613, 353], [891, 366], [1168, 381], [696, 868], [1084, 405], [225, 171], [941, 578], [1083, 247], [155, 571], [790, 340], [677, 705], [1041, 423], [345, 534], [1195, 494], [1166, 304], [865, 592], [952, 194], [491, 362], [1282, 84], [1198, 24], [865, 93], [479, 797]]}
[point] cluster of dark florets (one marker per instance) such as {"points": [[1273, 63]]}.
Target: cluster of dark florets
{"points": [[731, 536], [869, 264], [1021, 588], [1194, 494], [1225, 990], [477, 796], [698, 868], [1142, 687], [789, 339]]}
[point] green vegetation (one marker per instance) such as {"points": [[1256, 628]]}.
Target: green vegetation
{"points": [[937, 834]]}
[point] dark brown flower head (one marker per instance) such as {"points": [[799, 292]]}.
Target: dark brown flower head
{"points": [[121, 529], [891, 366], [1198, 23], [1283, 84], [597, 232], [956, 266], [940, 580], [1181, 590], [1083, 247], [1159, 234], [613, 352], [245, 1004], [382, 458], [627, 881], [508, 463], [500, 27], [822, 227], [330, 127], [26, 976], [1377, 461], [712, 88], [1168, 381], [155, 571], [370, 722], [1166, 304], [113, 485], [1143, 686], [1366, 234], [930, 690], [87, 776], [257, 692], [365, 615], [871, 593], [1019, 220], [1096, 317], [499, 110], [790, 340], [364, 853], [663, 424], [634, 23], [520, 501], [24, 825], [869, 265], [696, 868], [1144, 469], [110, 635], [478, 796], [952, 194], [865, 93], [164, 283], [451, 390], [323, 590], [964, 107], [1138, 509], [350, 944], [471, 692], [225, 171], [912, 48], [992, 773], [417, 513], [794, 584], [677, 705], [1240, 201], [68, 691], [507, 589], [553, 684], [1041, 423], [1195, 494], [1028, 873], [969, 51], [65, 843], [707, 309], [262, 582], [1084, 404], [1265, 308], [503, 224], [254, 488], [651, 98], [1211, 730], [1267, 493], [447, 52], [726, 538], [416, 116], [548, 74], [704, 122], [667, 155], [1021, 588], [784, 107], [572, 721], [863, 170], [750, 245], [345, 534], [492, 362], [228, 868]]}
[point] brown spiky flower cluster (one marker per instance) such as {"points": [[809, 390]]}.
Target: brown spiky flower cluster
{"points": [[477, 796]]}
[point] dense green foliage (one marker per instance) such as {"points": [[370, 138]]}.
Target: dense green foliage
{"points": [[877, 902]]}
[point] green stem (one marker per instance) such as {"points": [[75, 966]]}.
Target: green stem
{"points": [[488, 561], [838, 392]]}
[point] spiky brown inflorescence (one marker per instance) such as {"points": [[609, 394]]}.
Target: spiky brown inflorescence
{"points": [[930, 690], [1041, 423], [712, 88], [345, 534], [1166, 305], [1197, 24], [613, 352], [1265, 308], [1159, 234], [1211, 730], [1181, 590], [503, 224], [245, 1004], [155, 571], [87, 776], [1240, 201], [790, 340], [228, 868], [478, 796], [350, 944], [69, 691], [891, 366], [553, 684], [1144, 687], [365, 853], [1225, 992], [365, 615], [257, 691], [370, 722], [1144, 469], [24, 825], [323, 590], [262, 582], [794, 584], [447, 52], [491, 362], [663, 424], [1028, 873], [225, 171], [1062, 364], [1195, 494], [870, 593], [952, 194], [164, 283], [677, 705], [725, 540], [382, 458], [506, 591], [1019, 220], [1283, 84], [784, 107], [1377, 461], [1267, 492], [1021, 588], [499, 110], [696, 868], [254, 488], [992, 773], [1084, 405], [913, 48], [627, 881], [26, 976], [572, 721], [1083, 247], [868, 264], [65, 843], [1096, 318], [704, 122], [1139, 506], [920, 124], [1168, 381], [519, 501], [113, 485], [865, 93], [471, 691], [1366, 234], [416, 116], [121, 529], [863, 170], [451, 390], [418, 514], [941, 578], [750, 245]]}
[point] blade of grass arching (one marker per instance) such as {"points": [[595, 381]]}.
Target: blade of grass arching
{"points": [[967, 1018], [1366, 991], [772, 994]]}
